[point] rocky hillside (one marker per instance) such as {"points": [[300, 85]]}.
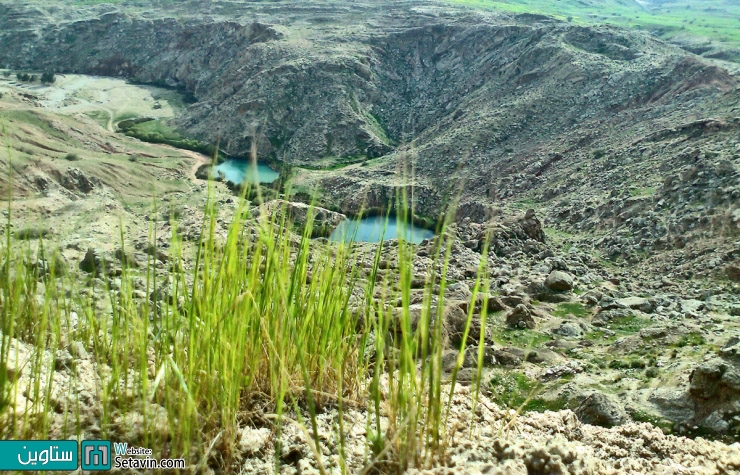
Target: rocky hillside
{"points": [[602, 165], [510, 107]]}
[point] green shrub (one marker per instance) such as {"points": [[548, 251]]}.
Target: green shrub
{"points": [[517, 391], [48, 78], [72, 157], [690, 339], [26, 234]]}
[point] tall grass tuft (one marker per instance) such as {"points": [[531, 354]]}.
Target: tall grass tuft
{"points": [[253, 325]]}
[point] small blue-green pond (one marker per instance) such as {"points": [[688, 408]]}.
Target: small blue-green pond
{"points": [[240, 171], [377, 229]]}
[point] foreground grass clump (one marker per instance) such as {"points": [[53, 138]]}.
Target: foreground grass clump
{"points": [[266, 325]]}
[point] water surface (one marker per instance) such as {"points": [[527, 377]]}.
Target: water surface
{"points": [[240, 171], [377, 229]]}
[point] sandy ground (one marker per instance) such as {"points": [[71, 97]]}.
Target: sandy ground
{"points": [[77, 94]]}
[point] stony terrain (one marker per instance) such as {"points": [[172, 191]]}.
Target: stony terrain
{"points": [[601, 166]]}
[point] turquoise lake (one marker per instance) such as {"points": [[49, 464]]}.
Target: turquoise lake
{"points": [[377, 229], [240, 171]]}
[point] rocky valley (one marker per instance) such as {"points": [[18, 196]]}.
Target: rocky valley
{"points": [[583, 284]]}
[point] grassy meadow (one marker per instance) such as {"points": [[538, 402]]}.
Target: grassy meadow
{"points": [[715, 19]]}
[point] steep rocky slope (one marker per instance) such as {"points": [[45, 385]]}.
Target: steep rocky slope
{"points": [[508, 107]]}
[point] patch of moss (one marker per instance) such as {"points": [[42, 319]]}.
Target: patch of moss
{"points": [[628, 364], [574, 309], [690, 339], [628, 325], [522, 338], [27, 234], [517, 391], [645, 191]]}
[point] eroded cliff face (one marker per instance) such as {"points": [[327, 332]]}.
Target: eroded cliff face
{"points": [[461, 88]]}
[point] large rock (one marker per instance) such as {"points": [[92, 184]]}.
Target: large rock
{"points": [[731, 350], [559, 281], [714, 388], [455, 321], [494, 303], [569, 330], [532, 226], [733, 272], [520, 317], [96, 261], [539, 291], [673, 404], [75, 180], [637, 303], [600, 410], [715, 382]]}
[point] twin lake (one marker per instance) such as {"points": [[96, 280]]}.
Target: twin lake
{"points": [[368, 229]]}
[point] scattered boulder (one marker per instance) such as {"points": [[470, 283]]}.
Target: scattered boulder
{"points": [[514, 300], [520, 317], [714, 389], [494, 304], [559, 281], [733, 272], [536, 355], [556, 372], [506, 358], [731, 350], [96, 261], [75, 180], [539, 291], [605, 316], [470, 360], [692, 306], [609, 303], [569, 330], [637, 303], [600, 410], [532, 226], [455, 320], [673, 404], [715, 381]]}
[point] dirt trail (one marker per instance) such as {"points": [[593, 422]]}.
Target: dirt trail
{"points": [[109, 126], [200, 160]]}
